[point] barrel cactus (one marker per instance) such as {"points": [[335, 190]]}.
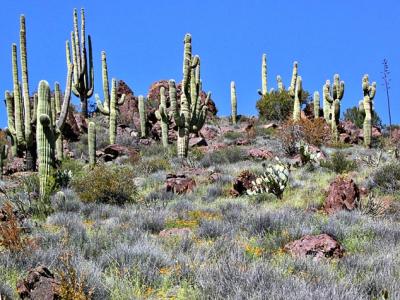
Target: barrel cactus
{"points": [[163, 116], [192, 114], [367, 106], [233, 102], [109, 107]]}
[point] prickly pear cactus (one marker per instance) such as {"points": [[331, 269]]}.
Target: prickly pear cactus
{"points": [[274, 180], [367, 106], [233, 102]]}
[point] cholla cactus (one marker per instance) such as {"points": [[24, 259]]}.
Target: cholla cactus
{"points": [[297, 99], [110, 106], [264, 89], [332, 103], [233, 102], [142, 116], [3, 156], [316, 104], [274, 180], [92, 143], [192, 114], [367, 106], [83, 81], [163, 116]]}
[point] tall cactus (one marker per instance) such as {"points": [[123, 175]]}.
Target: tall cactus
{"points": [[192, 114], [297, 99], [3, 156], [163, 116], [83, 83], [48, 128], [21, 116], [281, 86], [92, 143], [293, 81], [316, 104], [109, 107], [264, 88], [367, 106], [332, 100], [142, 116], [233, 102]]}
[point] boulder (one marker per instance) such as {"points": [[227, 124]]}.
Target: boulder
{"points": [[318, 246], [40, 284], [257, 153], [242, 183], [197, 142], [343, 194], [179, 183], [114, 151]]}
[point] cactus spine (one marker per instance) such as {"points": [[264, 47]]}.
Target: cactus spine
{"points": [[21, 116], [83, 82], [142, 115], [332, 103], [92, 143], [3, 156], [192, 114], [316, 104], [367, 106], [109, 107], [163, 117], [297, 99], [264, 89], [233, 102]]}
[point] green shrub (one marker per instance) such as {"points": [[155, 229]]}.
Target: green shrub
{"points": [[277, 106], [338, 163], [226, 155], [356, 116], [152, 165], [111, 184], [387, 178]]}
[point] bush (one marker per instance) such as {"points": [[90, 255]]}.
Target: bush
{"points": [[356, 116], [277, 106], [289, 136], [106, 184], [315, 131], [387, 178], [338, 163], [224, 156]]}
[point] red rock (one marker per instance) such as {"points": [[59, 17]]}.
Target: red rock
{"points": [[197, 142], [343, 194], [113, 151], [260, 153], [179, 184], [318, 246], [242, 183], [209, 132], [40, 284]]}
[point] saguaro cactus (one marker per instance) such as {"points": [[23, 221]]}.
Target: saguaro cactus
{"points": [[264, 88], [192, 114], [233, 102], [293, 81], [163, 116], [109, 107], [3, 156], [48, 128], [281, 86], [332, 103], [92, 143], [367, 105], [21, 116], [297, 99], [316, 104], [142, 116], [83, 83]]}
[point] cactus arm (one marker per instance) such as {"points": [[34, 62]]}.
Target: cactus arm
{"points": [[372, 91], [66, 101], [142, 114], [104, 68], [92, 143], [10, 113], [91, 70], [104, 110], [18, 109], [264, 89], [121, 100], [233, 102], [316, 104], [35, 101], [174, 107], [297, 99], [292, 88]]}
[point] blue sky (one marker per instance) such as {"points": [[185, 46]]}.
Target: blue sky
{"points": [[143, 41]]}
